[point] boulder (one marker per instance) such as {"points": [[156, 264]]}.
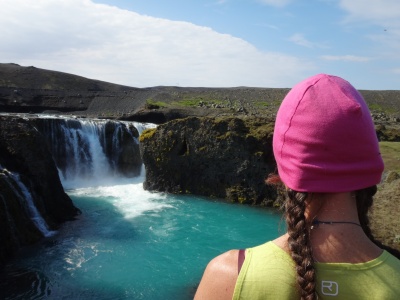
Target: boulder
{"points": [[225, 157], [121, 146]]}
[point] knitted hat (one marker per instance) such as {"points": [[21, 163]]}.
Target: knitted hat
{"points": [[324, 138]]}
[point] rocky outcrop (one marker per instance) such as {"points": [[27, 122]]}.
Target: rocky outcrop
{"points": [[121, 145], [387, 127], [217, 157], [25, 159]]}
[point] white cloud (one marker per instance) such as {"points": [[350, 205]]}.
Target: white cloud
{"points": [[351, 58], [277, 3], [385, 15], [110, 44], [379, 11], [396, 71], [300, 40]]}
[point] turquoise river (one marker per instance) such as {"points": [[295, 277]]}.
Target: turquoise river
{"points": [[132, 244]]}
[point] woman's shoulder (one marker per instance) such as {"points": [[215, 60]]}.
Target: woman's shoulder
{"points": [[225, 262], [219, 278]]}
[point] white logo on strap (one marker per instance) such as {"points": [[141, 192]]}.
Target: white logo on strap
{"points": [[329, 288]]}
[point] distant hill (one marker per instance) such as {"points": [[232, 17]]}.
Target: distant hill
{"points": [[16, 76], [31, 89]]}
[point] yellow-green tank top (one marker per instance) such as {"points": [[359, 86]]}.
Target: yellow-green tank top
{"points": [[268, 272]]}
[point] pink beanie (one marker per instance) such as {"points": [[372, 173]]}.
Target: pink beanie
{"points": [[324, 138]]}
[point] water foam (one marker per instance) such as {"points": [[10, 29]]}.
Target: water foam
{"points": [[126, 195]]}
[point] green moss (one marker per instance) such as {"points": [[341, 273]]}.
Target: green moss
{"points": [[202, 149], [376, 107], [267, 103], [224, 136], [151, 104], [263, 104], [242, 199], [260, 129], [187, 102], [195, 101], [147, 134]]}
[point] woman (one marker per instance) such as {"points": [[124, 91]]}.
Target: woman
{"points": [[328, 159]]}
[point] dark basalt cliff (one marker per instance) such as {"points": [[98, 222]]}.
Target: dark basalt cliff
{"points": [[217, 157], [23, 151]]}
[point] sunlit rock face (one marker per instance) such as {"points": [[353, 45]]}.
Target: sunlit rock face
{"points": [[217, 157]]}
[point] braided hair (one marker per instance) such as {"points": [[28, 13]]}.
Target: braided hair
{"points": [[299, 236], [299, 243]]}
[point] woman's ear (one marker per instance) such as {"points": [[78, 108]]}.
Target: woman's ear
{"points": [[313, 206]]}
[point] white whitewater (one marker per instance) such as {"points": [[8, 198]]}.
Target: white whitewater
{"points": [[25, 196], [126, 194]]}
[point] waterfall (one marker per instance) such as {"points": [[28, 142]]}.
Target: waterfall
{"points": [[86, 152], [76, 148], [25, 197], [91, 151]]}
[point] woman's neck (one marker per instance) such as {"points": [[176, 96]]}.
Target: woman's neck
{"points": [[336, 235], [335, 207]]}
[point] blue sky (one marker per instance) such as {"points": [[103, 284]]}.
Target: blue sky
{"points": [[212, 43]]}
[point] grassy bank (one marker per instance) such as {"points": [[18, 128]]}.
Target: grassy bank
{"points": [[391, 155], [385, 221]]}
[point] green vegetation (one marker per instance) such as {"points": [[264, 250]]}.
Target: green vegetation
{"points": [[375, 107], [202, 149], [185, 101], [147, 133], [188, 102], [379, 107], [151, 104], [267, 103], [262, 129], [391, 155], [196, 101]]}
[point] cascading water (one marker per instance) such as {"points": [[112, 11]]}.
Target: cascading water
{"points": [[90, 152], [25, 197]]}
